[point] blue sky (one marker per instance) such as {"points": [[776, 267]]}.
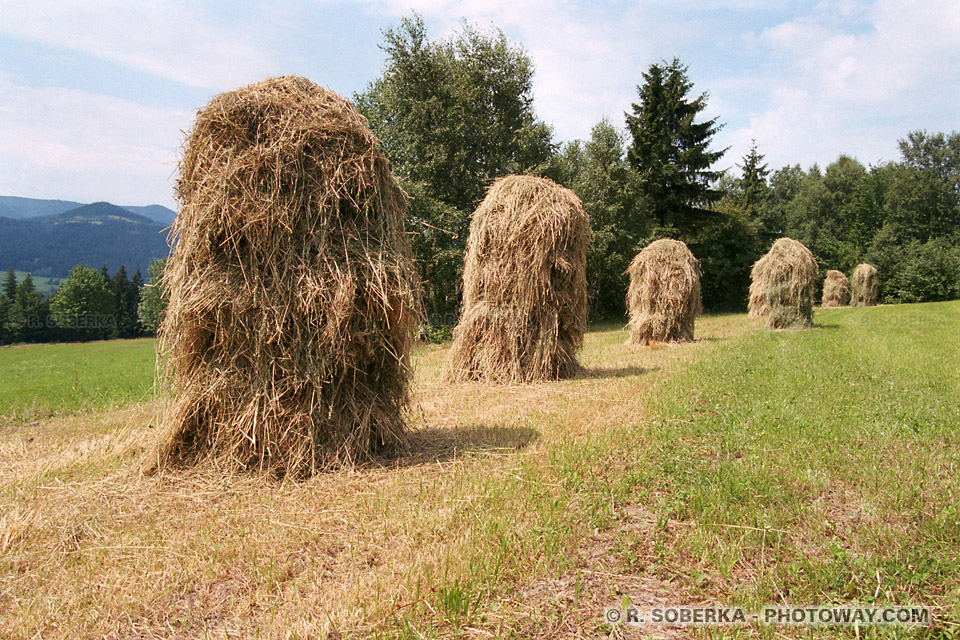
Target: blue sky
{"points": [[95, 94]]}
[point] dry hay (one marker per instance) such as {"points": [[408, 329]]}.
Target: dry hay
{"points": [[782, 285], [836, 289], [864, 287], [525, 286], [293, 297], [664, 295]]}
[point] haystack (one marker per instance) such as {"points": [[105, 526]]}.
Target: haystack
{"points": [[293, 297], [865, 287], [525, 288], [664, 295], [836, 289], [782, 285]]}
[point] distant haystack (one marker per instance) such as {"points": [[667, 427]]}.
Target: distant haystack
{"points": [[524, 285], [836, 289], [865, 288], [664, 296], [782, 285], [293, 295]]}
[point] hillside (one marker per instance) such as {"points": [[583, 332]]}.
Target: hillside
{"points": [[94, 235], [24, 208]]}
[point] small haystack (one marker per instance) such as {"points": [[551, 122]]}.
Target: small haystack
{"points": [[865, 287], [524, 285], [664, 296], [836, 289], [293, 296], [782, 285]]}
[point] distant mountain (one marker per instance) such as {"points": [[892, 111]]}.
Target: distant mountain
{"points": [[94, 235], [18, 208], [156, 212], [23, 208], [96, 213]]}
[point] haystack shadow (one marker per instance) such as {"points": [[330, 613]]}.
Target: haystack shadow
{"points": [[615, 372], [429, 445]]}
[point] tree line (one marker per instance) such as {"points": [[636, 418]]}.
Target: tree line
{"points": [[88, 305], [454, 114]]}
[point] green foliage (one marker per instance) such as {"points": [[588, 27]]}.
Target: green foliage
{"points": [[918, 271], [153, 298], [26, 315], [727, 243], [668, 149], [752, 186], [452, 115], [126, 296], [84, 307], [9, 284], [923, 200]]}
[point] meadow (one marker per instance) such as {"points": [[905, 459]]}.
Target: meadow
{"points": [[749, 468]]}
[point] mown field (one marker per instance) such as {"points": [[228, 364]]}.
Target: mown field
{"points": [[750, 468]]}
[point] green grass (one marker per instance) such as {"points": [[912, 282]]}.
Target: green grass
{"points": [[814, 466], [50, 379]]}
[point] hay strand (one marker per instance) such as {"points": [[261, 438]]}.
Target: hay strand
{"points": [[836, 289], [782, 285], [663, 300], [525, 288], [293, 297], [865, 286]]}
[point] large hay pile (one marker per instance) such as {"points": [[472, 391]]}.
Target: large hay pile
{"points": [[664, 295], [836, 289], [293, 296], [865, 287], [782, 285], [525, 286]]}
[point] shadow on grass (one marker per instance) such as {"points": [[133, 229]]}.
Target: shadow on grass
{"points": [[428, 445], [615, 372]]}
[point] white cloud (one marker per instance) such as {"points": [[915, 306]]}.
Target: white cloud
{"points": [[167, 38], [854, 77], [74, 145]]}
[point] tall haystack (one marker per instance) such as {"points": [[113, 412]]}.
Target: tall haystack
{"points": [[524, 285], [865, 287], [293, 296], [664, 295], [836, 289], [782, 285]]}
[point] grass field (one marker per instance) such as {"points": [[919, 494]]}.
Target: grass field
{"points": [[751, 468], [49, 379]]}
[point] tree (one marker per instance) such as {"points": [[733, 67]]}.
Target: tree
{"points": [[669, 150], [752, 185], [923, 201], [126, 296], [25, 320], [451, 116], [153, 298], [10, 285], [84, 306]]}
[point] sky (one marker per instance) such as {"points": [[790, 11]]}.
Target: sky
{"points": [[96, 95]]}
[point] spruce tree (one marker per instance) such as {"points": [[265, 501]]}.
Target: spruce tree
{"points": [[669, 150]]}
